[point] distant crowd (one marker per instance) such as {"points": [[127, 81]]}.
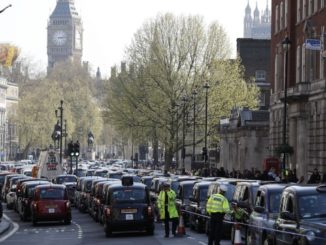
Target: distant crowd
{"points": [[291, 176]]}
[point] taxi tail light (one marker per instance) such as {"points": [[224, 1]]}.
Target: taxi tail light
{"points": [[35, 205], [67, 205], [108, 212], [149, 210]]}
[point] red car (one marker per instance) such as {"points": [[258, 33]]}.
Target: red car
{"points": [[51, 203]]}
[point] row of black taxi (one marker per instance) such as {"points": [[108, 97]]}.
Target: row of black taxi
{"points": [[119, 204], [275, 213], [36, 199]]}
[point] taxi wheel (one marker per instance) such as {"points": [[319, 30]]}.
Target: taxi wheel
{"points": [[207, 227], [107, 230], [150, 231], [232, 234], [34, 221], [100, 218], [23, 216], [95, 217], [249, 238], [267, 241], [67, 221]]}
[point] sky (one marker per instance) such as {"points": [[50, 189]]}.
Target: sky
{"points": [[109, 25]]}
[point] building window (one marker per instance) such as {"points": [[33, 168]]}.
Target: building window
{"points": [[286, 14], [260, 75], [303, 64], [276, 75], [315, 6], [276, 19], [298, 11], [304, 9], [310, 7], [322, 4], [298, 64], [262, 99], [321, 61], [281, 16]]}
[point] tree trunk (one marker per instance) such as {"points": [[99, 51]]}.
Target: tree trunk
{"points": [[155, 148], [168, 158]]}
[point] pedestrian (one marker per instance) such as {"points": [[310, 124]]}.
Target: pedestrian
{"points": [[217, 206], [168, 209], [315, 178]]}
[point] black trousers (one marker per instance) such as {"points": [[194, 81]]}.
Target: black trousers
{"points": [[215, 233], [167, 223]]}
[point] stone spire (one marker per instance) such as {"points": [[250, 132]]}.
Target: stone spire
{"points": [[247, 22]]}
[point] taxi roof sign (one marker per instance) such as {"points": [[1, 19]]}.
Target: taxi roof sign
{"points": [[127, 180]]}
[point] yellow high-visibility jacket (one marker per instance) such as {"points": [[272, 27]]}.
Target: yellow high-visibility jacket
{"points": [[217, 203], [173, 212]]}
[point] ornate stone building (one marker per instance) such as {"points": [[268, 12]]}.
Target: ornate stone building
{"points": [[65, 34], [256, 26], [300, 21]]}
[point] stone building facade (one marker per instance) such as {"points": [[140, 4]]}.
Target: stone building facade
{"points": [[244, 140], [306, 85]]}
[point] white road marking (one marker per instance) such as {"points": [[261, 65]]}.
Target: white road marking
{"points": [[80, 230], [203, 243], [16, 227]]}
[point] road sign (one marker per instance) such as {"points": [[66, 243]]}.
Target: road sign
{"points": [[312, 44]]}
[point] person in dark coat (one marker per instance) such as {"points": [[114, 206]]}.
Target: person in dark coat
{"points": [[315, 178]]}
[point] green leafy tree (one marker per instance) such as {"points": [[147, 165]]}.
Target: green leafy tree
{"points": [[40, 98], [171, 57]]}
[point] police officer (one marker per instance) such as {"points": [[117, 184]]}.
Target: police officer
{"points": [[217, 206], [167, 208]]}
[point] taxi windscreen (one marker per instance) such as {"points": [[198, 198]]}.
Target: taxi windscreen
{"points": [[63, 179], [129, 195], [52, 194]]}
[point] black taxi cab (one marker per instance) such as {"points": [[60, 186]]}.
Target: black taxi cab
{"points": [[51, 203], [128, 208], [302, 215]]}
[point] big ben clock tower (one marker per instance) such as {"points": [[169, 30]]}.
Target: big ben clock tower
{"points": [[65, 34]]}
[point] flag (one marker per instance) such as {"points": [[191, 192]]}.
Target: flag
{"points": [[8, 54]]}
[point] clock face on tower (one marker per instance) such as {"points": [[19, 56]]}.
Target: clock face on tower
{"points": [[59, 38]]}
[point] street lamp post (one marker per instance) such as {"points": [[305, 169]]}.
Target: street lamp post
{"points": [[206, 87], [2, 10], [177, 134], [61, 122], [65, 135], [183, 152], [286, 43], [194, 93]]}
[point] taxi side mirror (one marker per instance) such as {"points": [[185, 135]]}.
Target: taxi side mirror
{"points": [[259, 209], [243, 204], [192, 199], [287, 215], [153, 199]]}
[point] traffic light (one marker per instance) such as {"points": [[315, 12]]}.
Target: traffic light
{"points": [[76, 148], [70, 148]]}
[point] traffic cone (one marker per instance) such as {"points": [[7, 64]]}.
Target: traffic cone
{"points": [[181, 227], [237, 235]]}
